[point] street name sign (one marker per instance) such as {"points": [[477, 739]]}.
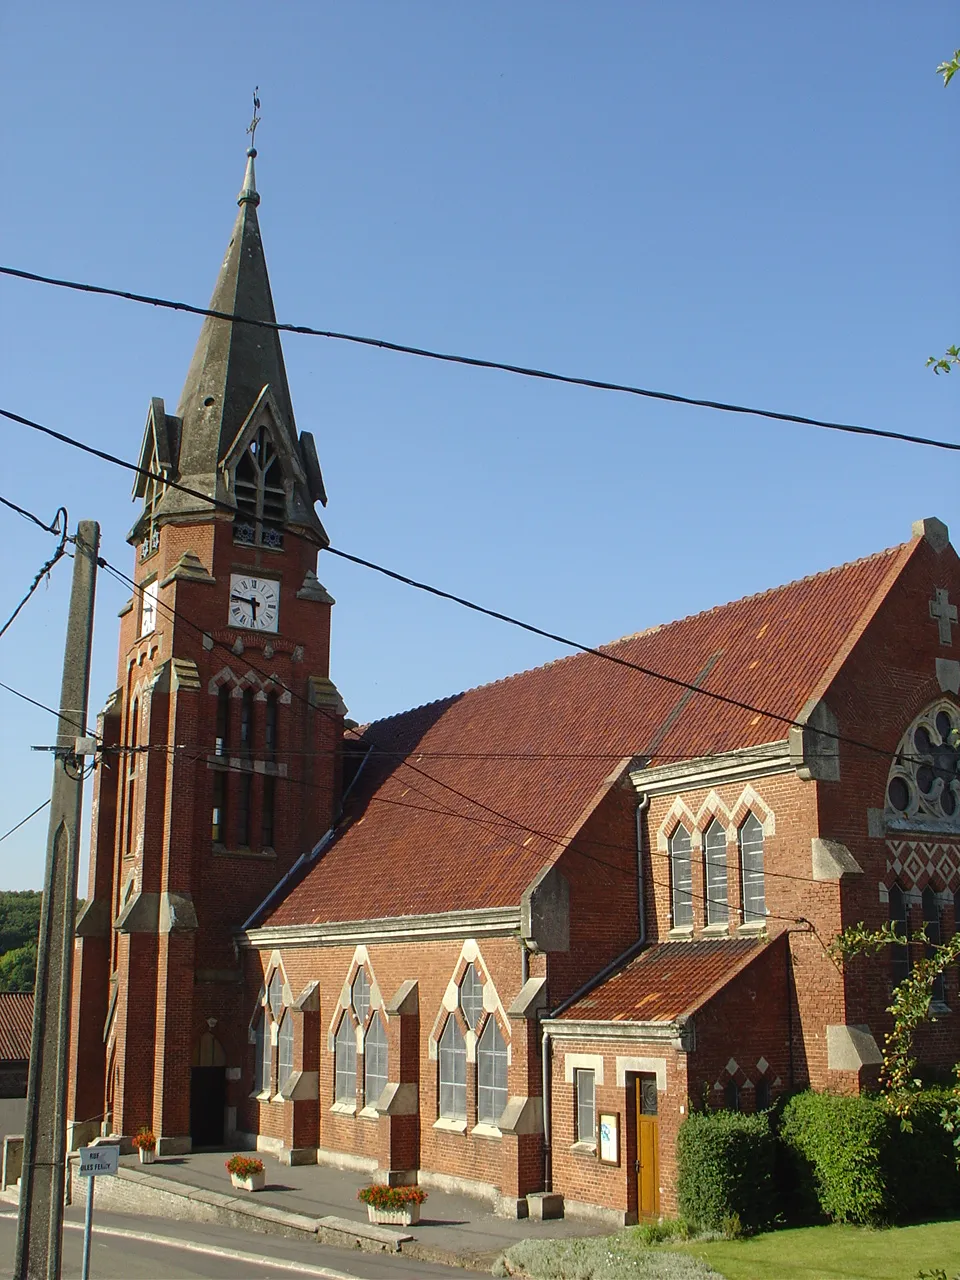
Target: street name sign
{"points": [[99, 1162]]}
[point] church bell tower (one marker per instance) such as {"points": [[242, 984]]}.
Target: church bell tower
{"points": [[221, 744]]}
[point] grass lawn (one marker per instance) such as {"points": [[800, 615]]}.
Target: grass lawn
{"points": [[836, 1253]]}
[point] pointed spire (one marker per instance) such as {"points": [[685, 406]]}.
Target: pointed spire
{"points": [[231, 365]]}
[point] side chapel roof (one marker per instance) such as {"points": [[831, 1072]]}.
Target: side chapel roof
{"points": [[538, 749]]}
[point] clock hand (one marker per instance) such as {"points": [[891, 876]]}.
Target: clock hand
{"points": [[245, 600]]}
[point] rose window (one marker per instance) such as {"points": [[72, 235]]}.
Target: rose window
{"points": [[923, 789]]}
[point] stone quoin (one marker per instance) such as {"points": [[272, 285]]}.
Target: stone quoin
{"points": [[505, 941]]}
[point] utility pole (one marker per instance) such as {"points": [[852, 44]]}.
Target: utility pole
{"points": [[40, 1224]]}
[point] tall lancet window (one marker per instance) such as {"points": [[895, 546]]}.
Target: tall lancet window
{"points": [[261, 497]]}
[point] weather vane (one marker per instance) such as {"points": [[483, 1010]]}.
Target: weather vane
{"points": [[252, 127]]}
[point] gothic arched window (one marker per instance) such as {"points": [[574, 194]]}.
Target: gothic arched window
{"points": [[345, 1065], [750, 839], [900, 920], [715, 862], [262, 1065], [923, 786], [284, 1050], [374, 1061], [471, 996], [681, 878], [931, 921], [453, 1071], [361, 996], [260, 493], [491, 1074]]}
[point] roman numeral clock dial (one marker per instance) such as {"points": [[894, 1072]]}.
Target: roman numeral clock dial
{"points": [[254, 603]]}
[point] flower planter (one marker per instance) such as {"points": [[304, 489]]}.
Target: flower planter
{"points": [[408, 1216], [253, 1181], [147, 1157]]}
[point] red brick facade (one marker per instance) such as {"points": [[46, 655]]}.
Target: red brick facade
{"points": [[520, 838]]}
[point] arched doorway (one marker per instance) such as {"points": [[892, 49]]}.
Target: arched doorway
{"points": [[208, 1092]]}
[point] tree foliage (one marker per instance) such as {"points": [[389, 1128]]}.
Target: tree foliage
{"points": [[19, 926], [910, 1008], [943, 364]]}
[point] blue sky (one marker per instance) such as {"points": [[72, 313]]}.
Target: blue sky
{"points": [[747, 202]]}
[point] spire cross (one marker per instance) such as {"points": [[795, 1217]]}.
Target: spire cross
{"points": [[252, 127]]}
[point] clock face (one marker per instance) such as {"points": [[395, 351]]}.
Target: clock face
{"points": [[254, 602]]}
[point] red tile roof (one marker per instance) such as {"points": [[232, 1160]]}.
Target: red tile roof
{"points": [[666, 981], [534, 751], [16, 1025]]}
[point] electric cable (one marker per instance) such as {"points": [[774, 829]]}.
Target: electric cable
{"points": [[24, 821], [463, 817], [45, 569], [463, 601], [476, 362]]}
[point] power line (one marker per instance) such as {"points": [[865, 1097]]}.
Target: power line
{"points": [[488, 823], [28, 515], [24, 821], [455, 599], [47, 566], [42, 705], [475, 362]]}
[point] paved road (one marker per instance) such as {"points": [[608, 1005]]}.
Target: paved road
{"points": [[139, 1248]]}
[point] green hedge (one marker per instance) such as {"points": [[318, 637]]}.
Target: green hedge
{"points": [[851, 1160], [924, 1174], [725, 1171], [839, 1149]]}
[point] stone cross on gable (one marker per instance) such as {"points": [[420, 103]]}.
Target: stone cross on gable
{"points": [[944, 613]]}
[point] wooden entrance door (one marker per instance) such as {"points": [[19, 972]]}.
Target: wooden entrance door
{"points": [[648, 1148]]}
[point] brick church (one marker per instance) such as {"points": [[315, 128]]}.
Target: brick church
{"points": [[503, 942]]}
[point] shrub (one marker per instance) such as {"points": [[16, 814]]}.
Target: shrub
{"points": [[381, 1196], [244, 1166], [853, 1161], [725, 1172], [924, 1177], [838, 1148]]}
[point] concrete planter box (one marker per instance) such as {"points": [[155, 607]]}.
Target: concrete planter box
{"points": [[255, 1182], [147, 1157], [408, 1216]]}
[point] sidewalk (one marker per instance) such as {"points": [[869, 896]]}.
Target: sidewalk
{"points": [[453, 1229]]}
